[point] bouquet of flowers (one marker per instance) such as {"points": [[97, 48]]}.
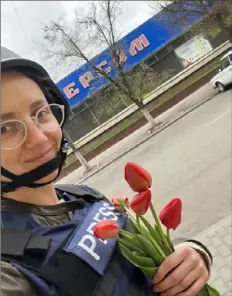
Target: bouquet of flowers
{"points": [[147, 246]]}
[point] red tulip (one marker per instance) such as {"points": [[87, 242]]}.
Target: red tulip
{"points": [[141, 202], [106, 229], [170, 216], [137, 177], [120, 202]]}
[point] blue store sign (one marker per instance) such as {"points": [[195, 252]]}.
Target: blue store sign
{"points": [[146, 39]]}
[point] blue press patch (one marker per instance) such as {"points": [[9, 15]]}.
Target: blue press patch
{"points": [[85, 245]]}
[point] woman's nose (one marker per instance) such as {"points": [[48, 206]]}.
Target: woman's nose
{"points": [[35, 136]]}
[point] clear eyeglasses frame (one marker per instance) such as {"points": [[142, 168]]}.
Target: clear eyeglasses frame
{"points": [[48, 119]]}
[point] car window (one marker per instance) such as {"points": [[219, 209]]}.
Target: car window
{"points": [[225, 63], [230, 57]]}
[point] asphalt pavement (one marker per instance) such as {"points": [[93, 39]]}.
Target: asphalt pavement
{"points": [[139, 136], [190, 159]]}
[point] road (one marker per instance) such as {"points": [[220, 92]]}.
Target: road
{"points": [[191, 159]]}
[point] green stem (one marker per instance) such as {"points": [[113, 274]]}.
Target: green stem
{"points": [[132, 219], [168, 236], [138, 221], [126, 233], [169, 239], [158, 248], [159, 228]]}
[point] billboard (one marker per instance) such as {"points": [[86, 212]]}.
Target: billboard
{"points": [[136, 46], [192, 50]]}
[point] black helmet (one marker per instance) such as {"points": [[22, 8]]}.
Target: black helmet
{"points": [[10, 61]]}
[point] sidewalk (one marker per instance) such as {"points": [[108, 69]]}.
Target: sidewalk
{"points": [[196, 99], [218, 239]]}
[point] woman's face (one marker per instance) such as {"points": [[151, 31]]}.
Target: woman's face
{"points": [[21, 98]]}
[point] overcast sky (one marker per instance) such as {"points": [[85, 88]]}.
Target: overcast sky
{"points": [[21, 23]]}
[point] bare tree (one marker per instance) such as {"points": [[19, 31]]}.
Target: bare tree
{"points": [[211, 11], [76, 43], [144, 79]]}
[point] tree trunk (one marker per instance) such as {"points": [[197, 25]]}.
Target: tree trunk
{"points": [[78, 155], [149, 118], [221, 24]]}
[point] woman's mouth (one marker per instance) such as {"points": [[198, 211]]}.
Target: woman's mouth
{"points": [[43, 157]]}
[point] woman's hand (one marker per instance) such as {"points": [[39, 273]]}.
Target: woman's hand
{"points": [[183, 273]]}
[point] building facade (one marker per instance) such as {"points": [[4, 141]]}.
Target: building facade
{"points": [[164, 48]]}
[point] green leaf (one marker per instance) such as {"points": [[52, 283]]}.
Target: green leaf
{"points": [[138, 228], [130, 245], [155, 235], [149, 271], [136, 260], [126, 234], [157, 230], [151, 230], [212, 291], [207, 290], [157, 250], [203, 292], [135, 229], [168, 251], [149, 249]]}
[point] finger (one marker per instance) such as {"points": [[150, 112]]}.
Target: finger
{"points": [[169, 264], [195, 287], [175, 277], [184, 284]]}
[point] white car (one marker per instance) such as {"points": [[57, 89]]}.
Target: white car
{"points": [[224, 76]]}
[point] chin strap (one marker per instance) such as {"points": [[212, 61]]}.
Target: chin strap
{"points": [[29, 179]]}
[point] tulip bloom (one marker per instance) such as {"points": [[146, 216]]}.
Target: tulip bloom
{"points": [[141, 202], [106, 229], [170, 216], [120, 202], [137, 177]]}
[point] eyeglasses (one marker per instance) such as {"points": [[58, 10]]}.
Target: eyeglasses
{"points": [[14, 132]]}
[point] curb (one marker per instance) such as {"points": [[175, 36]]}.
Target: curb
{"points": [[160, 129]]}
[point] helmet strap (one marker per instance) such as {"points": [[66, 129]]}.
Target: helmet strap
{"points": [[28, 179]]}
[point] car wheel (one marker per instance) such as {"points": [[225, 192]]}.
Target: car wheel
{"points": [[220, 86]]}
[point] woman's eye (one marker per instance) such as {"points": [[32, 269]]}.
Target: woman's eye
{"points": [[41, 114], [5, 129]]}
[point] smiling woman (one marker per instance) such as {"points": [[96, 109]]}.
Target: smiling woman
{"points": [[48, 247], [30, 128]]}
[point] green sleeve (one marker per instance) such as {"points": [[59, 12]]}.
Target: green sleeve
{"points": [[13, 282]]}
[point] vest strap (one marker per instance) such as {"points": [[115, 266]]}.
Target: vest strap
{"points": [[16, 243], [81, 191], [70, 274]]}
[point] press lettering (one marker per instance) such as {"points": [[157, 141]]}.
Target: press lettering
{"points": [[96, 218], [90, 228], [88, 243], [111, 207], [108, 214], [108, 206]]}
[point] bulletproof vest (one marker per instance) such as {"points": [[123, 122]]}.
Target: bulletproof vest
{"points": [[67, 260]]}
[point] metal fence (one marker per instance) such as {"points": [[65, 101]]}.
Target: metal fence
{"points": [[107, 103]]}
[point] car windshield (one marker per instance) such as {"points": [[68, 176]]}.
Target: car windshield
{"points": [[225, 63]]}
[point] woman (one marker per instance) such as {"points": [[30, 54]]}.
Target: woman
{"points": [[47, 243]]}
